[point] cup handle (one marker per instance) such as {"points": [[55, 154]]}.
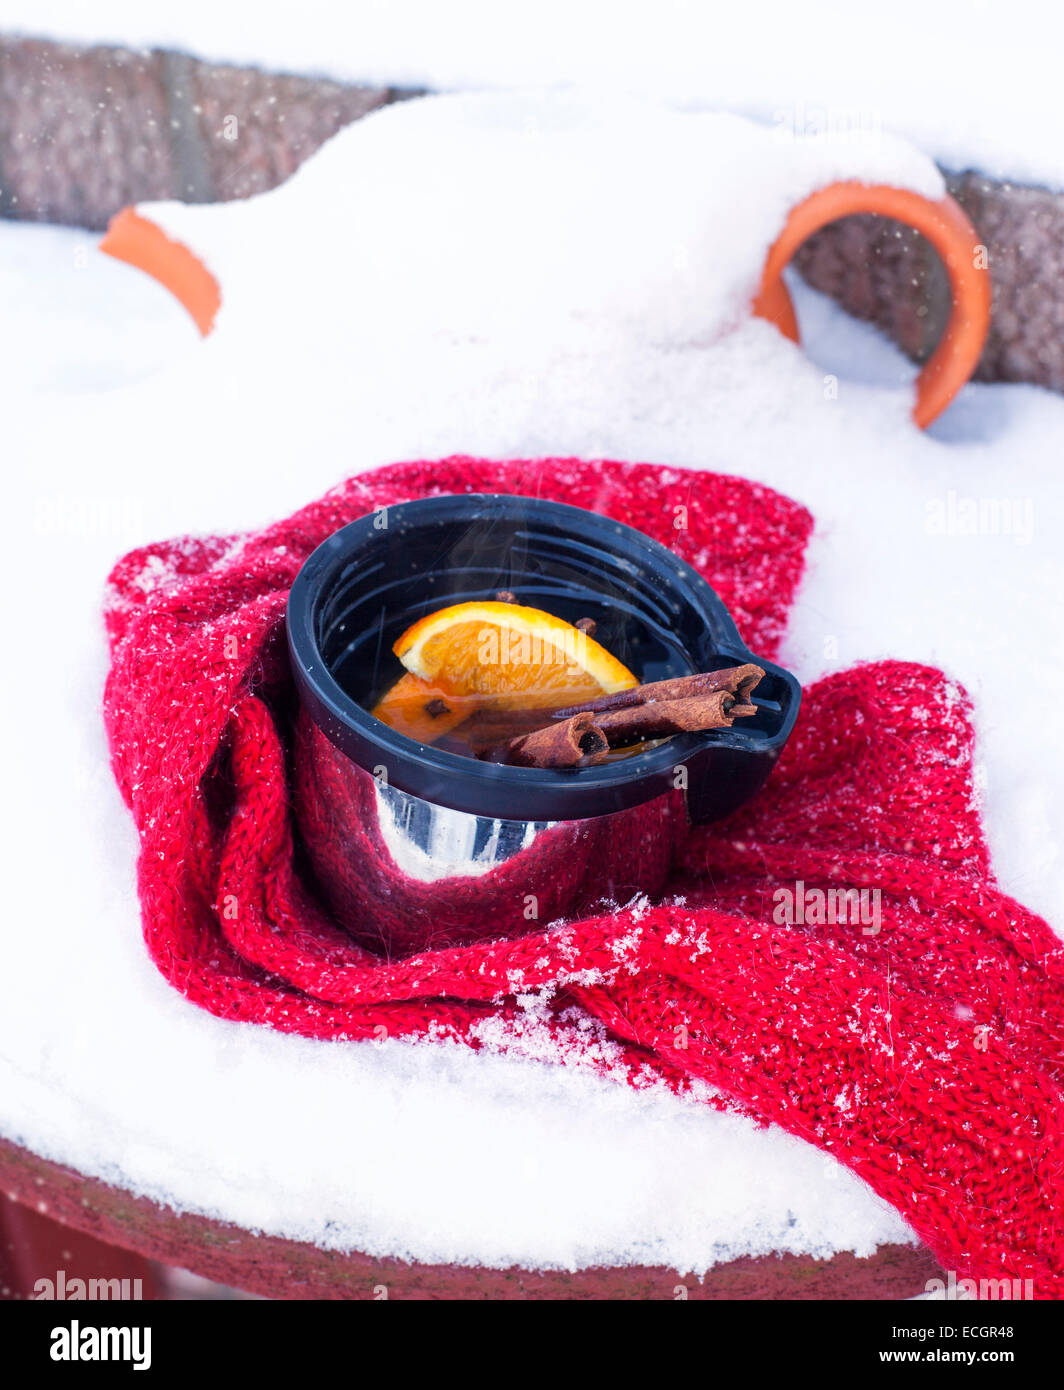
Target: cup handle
{"points": [[948, 230], [142, 243]]}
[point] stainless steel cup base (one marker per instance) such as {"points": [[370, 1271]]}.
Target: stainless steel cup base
{"points": [[403, 874]]}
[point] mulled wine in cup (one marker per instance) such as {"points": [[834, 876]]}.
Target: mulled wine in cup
{"points": [[498, 680], [433, 821]]}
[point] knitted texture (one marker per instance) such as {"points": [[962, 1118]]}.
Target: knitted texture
{"points": [[922, 1044]]}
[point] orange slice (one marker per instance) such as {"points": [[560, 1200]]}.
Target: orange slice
{"points": [[422, 710], [520, 655], [502, 654]]}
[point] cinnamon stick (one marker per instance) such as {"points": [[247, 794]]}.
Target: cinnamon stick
{"points": [[586, 737], [663, 718], [737, 680], [489, 728], [557, 745]]}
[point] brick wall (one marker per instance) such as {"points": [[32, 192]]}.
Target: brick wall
{"points": [[83, 132]]}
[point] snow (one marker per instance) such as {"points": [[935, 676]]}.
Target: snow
{"points": [[488, 276], [972, 82]]}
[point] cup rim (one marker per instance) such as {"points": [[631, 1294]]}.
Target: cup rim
{"points": [[484, 788]]}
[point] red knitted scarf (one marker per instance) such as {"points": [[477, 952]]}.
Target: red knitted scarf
{"points": [[925, 1055]]}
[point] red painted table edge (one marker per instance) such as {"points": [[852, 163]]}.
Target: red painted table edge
{"points": [[289, 1269]]}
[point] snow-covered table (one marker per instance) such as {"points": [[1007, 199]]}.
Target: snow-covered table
{"points": [[289, 1269], [117, 1093]]}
